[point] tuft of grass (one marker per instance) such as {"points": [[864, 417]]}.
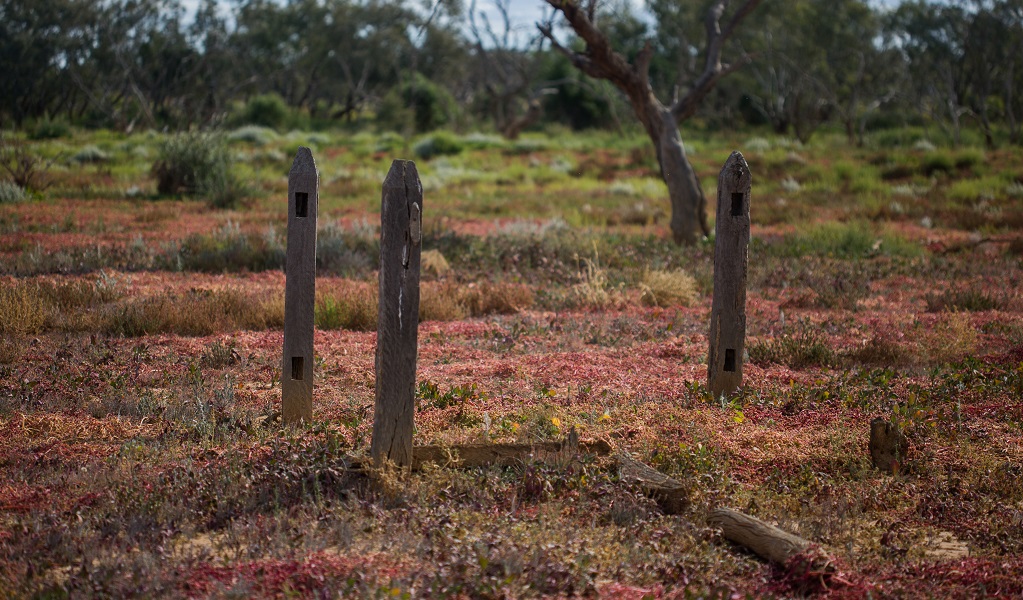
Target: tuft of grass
{"points": [[353, 307], [668, 288], [489, 298], [949, 339], [441, 302], [807, 347], [198, 164], [962, 299], [195, 313], [11, 192], [844, 240], [440, 143], [434, 263], [24, 310]]}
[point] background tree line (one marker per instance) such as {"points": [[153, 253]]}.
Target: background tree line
{"points": [[404, 66]]}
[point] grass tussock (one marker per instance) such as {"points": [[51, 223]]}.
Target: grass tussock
{"points": [[803, 348], [668, 288], [963, 299], [352, 306], [24, 311], [195, 313], [949, 339]]}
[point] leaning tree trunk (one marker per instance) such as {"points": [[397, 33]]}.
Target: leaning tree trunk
{"points": [[688, 204]]}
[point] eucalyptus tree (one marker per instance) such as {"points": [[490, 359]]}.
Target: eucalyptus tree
{"points": [[600, 59]]}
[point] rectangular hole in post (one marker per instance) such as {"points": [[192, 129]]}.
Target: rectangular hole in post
{"points": [[301, 205], [297, 368], [730, 360], [737, 204]]}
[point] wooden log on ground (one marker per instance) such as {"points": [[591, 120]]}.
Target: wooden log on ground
{"points": [[398, 327], [671, 495], [766, 541]]}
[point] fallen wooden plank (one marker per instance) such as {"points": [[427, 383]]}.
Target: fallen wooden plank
{"points": [[766, 541], [671, 495]]}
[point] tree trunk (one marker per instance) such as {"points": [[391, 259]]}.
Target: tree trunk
{"points": [[688, 204]]}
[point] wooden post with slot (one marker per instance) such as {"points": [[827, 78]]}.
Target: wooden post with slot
{"points": [[300, 290], [398, 326], [731, 261]]}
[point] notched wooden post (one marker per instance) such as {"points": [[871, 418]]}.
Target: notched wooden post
{"points": [[398, 326], [731, 261], [300, 290]]}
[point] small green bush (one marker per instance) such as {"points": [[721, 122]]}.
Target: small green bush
{"points": [[268, 110], [442, 143], [197, 164], [10, 192], [49, 129], [427, 105], [90, 154], [257, 135]]}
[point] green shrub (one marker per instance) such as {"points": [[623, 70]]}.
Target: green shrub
{"points": [[257, 135], [90, 154], [442, 143], [421, 101], [49, 129], [198, 164], [937, 162], [268, 110], [10, 192]]}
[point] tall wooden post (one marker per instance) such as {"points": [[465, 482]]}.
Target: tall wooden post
{"points": [[731, 261], [398, 328], [300, 290]]}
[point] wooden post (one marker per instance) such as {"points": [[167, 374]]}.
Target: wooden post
{"points": [[731, 260], [397, 330], [300, 290]]}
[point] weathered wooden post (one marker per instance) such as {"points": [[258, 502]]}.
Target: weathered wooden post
{"points": [[300, 290], [398, 326], [731, 260]]}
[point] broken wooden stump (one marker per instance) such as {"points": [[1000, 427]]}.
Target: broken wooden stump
{"points": [[764, 540], [670, 494], [398, 326], [888, 445], [731, 262], [300, 290]]}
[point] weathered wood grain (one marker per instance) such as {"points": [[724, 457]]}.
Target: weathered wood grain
{"points": [[300, 290], [766, 541], [731, 262], [398, 326]]}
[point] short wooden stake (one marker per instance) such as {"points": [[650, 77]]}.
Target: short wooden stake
{"points": [[731, 261], [398, 326], [300, 290]]}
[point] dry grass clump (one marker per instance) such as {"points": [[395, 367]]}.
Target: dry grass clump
{"points": [[452, 301], [881, 351], [11, 349], [434, 263], [441, 302], [667, 288], [951, 338], [487, 298], [197, 312], [23, 309], [353, 306]]}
